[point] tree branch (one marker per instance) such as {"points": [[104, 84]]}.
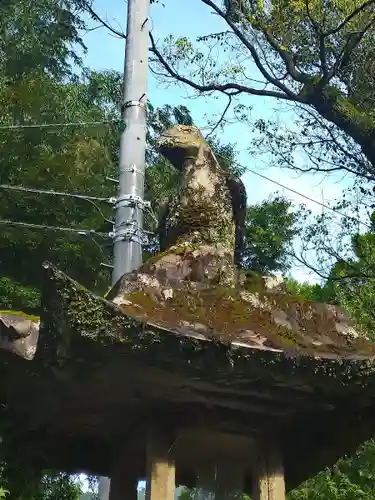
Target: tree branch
{"points": [[352, 42], [222, 117], [314, 24], [236, 87], [286, 57], [349, 18], [347, 153], [322, 45], [288, 60], [87, 7], [323, 58]]}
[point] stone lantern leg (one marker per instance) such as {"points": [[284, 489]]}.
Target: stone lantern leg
{"points": [[124, 480], [268, 473], [160, 479], [160, 471]]}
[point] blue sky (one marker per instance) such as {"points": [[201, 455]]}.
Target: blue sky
{"points": [[191, 18]]}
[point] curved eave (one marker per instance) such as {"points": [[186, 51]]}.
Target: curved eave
{"points": [[75, 320]]}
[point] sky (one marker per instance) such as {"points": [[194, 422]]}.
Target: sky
{"points": [[192, 18]]}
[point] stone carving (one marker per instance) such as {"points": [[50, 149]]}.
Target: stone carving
{"points": [[192, 287], [211, 206]]}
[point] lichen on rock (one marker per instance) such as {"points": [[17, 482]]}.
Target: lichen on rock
{"points": [[211, 206], [193, 286], [201, 231], [19, 333]]}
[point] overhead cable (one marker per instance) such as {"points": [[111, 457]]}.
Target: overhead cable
{"points": [[81, 232], [57, 125], [337, 212]]}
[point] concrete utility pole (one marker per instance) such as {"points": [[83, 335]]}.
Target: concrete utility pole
{"points": [[127, 234]]}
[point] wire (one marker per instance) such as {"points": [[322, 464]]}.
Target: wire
{"points": [[55, 125], [82, 232], [89, 199], [55, 193], [337, 212]]}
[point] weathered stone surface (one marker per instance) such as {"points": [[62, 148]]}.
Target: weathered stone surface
{"points": [[193, 287], [211, 206], [19, 333], [160, 294]]}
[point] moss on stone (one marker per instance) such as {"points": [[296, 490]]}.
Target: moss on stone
{"points": [[20, 314], [225, 316], [98, 332]]}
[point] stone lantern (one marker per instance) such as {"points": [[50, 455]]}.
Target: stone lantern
{"points": [[188, 372]]}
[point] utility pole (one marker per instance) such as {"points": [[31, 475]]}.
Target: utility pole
{"points": [[127, 233]]}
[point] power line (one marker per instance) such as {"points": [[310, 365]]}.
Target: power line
{"points": [[111, 200], [89, 199], [9, 187], [337, 212], [81, 232], [56, 125]]}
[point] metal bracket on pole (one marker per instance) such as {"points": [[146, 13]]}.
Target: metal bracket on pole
{"points": [[116, 181], [131, 200], [134, 170], [128, 233], [130, 104]]}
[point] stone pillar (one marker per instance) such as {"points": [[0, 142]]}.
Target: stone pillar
{"points": [[160, 480], [124, 481], [220, 480], [268, 473]]}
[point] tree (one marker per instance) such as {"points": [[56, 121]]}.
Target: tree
{"points": [[310, 53], [61, 159], [352, 281], [350, 478], [37, 86], [47, 47], [270, 229]]}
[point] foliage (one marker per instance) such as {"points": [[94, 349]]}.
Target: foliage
{"points": [[37, 86], [350, 478], [56, 27], [63, 159], [270, 229], [353, 281], [340, 248], [58, 487], [311, 53], [307, 291], [21, 480]]}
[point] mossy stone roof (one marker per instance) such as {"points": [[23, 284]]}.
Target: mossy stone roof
{"points": [[100, 368]]}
